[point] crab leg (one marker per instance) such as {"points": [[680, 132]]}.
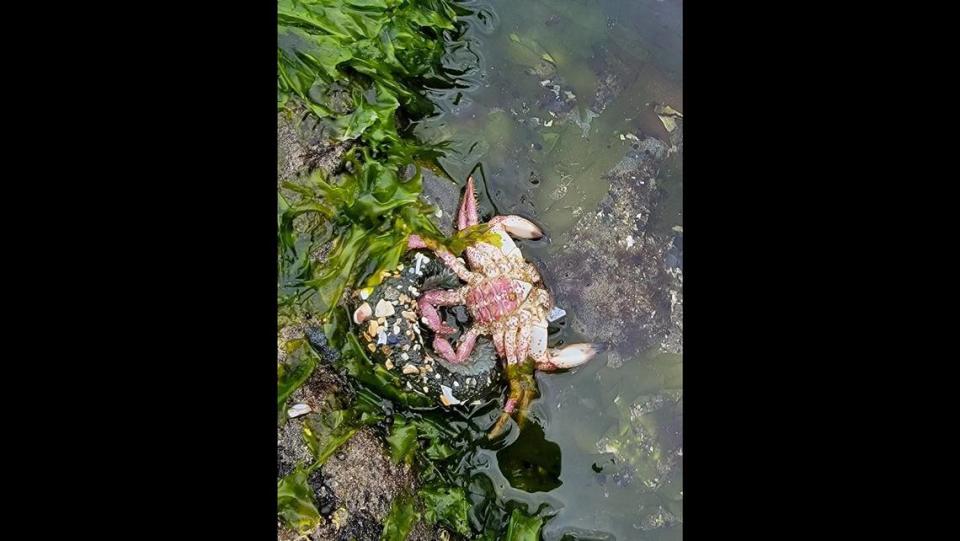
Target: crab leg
{"points": [[451, 261], [438, 297], [464, 349], [523, 344], [510, 342], [523, 390], [498, 343]]}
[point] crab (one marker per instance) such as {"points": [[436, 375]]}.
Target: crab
{"points": [[506, 299]]}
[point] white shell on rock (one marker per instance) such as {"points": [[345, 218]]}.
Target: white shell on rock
{"points": [[556, 314], [362, 313], [447, 397], [384, 309], [297, 410]]}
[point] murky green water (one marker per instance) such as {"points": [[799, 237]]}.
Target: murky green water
{"points": [[608, 459]]}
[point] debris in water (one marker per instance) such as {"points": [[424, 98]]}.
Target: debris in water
{"points": [[556, 314]]}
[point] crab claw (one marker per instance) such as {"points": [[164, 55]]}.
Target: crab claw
{"points": [[519, 227], [468, 207], [568, 357]]}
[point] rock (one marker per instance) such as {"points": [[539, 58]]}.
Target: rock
{"points": [[443, 194], [409, 344]]}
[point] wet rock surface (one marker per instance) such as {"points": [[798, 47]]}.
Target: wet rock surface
{"points": [[621, 280], [303, 145]]}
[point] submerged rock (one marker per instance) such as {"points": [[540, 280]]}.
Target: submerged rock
{"points": [[622, 280]]}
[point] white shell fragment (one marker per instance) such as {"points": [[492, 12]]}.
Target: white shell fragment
{"points": [[447, 397], [362, 313], [384, 309], [556, 314], [381, 338], [297, 410], [410, 369]]}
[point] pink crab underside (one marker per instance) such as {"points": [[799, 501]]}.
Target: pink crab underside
{"points": [[493, 300]]}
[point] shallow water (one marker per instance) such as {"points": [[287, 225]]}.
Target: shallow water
{"points": [[608, 458]]}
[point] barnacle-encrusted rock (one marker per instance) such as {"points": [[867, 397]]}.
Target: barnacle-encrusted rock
{"points": [[398, 340]]}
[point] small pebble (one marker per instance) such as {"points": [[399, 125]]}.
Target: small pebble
{"points": [[384, 309], [297, 410]]}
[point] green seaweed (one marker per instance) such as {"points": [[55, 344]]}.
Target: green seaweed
{"points": [[448, 505], [400, 520], [523, 527], [295, 503], [360, 67], [326, 431], [300, 362]]}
